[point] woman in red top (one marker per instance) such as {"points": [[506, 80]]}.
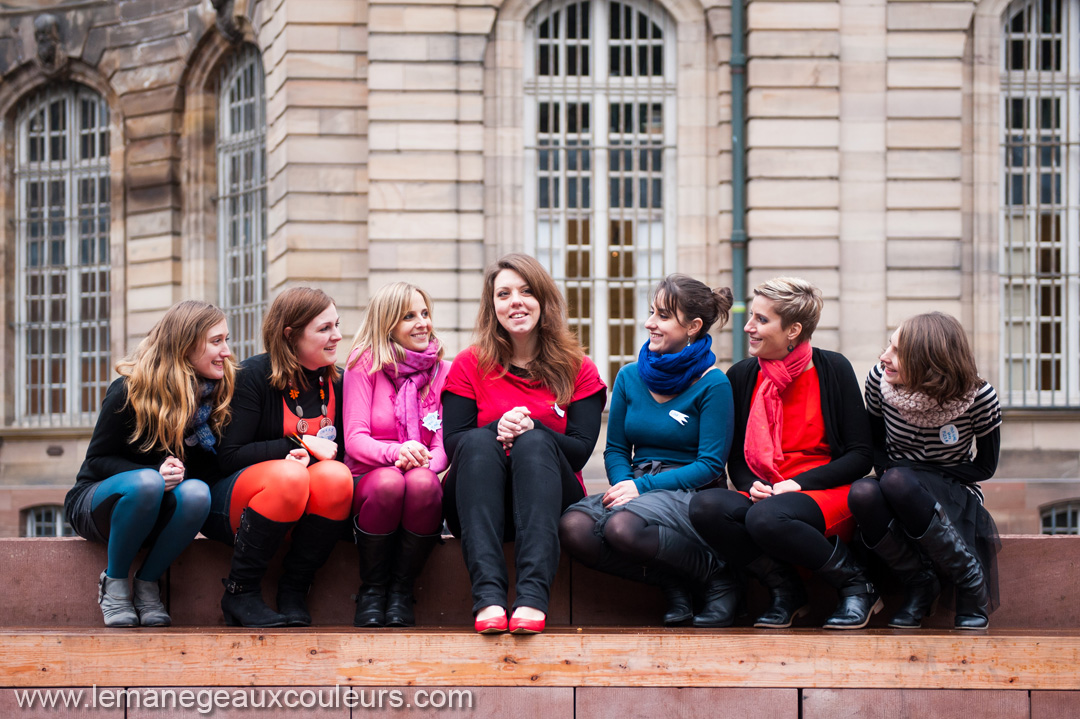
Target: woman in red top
{"points": [[802, 437], [521, 412]]}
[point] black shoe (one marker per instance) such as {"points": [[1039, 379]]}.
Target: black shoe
{"points": [[413, 551], [257, 540], [375, 558], [698, 566], [951, 555], [786, 590], [916, 573], [859, 600], [723, 592], [680, 603], [313, 539]]}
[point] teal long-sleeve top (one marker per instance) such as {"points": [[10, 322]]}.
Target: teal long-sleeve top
{"points": [[693, 429]]}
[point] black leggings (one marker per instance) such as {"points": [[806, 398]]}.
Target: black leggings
{"points": [[897, 495], [491, 497], [787, 526]]}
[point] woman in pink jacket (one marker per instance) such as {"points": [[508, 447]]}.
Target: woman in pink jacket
{"points": [[394, 447]]}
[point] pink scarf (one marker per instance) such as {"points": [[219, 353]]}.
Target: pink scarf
{"points": [[409, 377], [765, 426]]}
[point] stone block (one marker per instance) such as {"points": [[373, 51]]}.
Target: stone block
{"points": [[937, 703], [924, 103], [413, 106], [924, 284], [152, 28], [685, 703], [769, 72], [764, 252], [793, 133], [413, 166], [322, 93], [793, 103], [796, 163], [926, 194], [783, 43], [922, 164], [1048, 705], [162, 99], [928, 44], [793, 223], [923, 134], [925, 73], [766, 15], [923, 254], [333, 12], [929, 15], [941, 224], [319, 65], [793, 193]]}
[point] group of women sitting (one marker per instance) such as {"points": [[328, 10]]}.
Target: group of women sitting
{"points": [[288, 449]]}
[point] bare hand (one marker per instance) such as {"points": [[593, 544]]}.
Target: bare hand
{"points": [[172, 471], [760, 490], [788, 485], [513, 424], [299, 455], [320, 447], [412, 455], [620, 494]]}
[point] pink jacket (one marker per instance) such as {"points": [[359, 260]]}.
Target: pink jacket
{"points": [[371, 439]]}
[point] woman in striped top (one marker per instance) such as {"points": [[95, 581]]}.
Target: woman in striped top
{"points": [[923, 514]]}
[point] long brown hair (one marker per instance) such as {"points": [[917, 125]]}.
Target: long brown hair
{"points": [[936, 358], [293, 309], [388, 306], [162, 383], [559, 355]]}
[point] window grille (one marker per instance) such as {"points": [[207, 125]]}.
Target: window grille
{"points": [[1040, 232], [1061, 518], [62, 363], [241, 153], [600, 157], [47, 521]]}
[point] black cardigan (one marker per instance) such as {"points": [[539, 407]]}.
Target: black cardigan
{"points": [[847, 426], [111, 452], [255, 433]]}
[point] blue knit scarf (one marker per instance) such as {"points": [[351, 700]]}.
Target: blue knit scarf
{"points": [[671, 374], [201, 433]]}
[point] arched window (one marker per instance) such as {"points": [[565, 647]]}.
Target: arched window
{"points": [[600, 151], [1040, 226], [241, 167], [1061, 518], [62, 363], [46, 521]]}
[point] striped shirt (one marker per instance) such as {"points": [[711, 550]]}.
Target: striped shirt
{"points": [[947, 445]]}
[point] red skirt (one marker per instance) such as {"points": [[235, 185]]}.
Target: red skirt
{"points": [[832, 502]]}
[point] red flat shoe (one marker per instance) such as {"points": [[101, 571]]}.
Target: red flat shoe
{"points": [[526, 626], [495, 625]]}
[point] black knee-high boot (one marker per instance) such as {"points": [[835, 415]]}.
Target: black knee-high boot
{"points": [[916, 573], [859, 600], [313, 539], [953, 558], [376, 555], [682, 557], [413, 551], [257, 539], [786, 591]]}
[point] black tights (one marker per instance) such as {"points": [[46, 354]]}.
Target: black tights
{"points": [[625, 533], [787, 526], [897, 495]]}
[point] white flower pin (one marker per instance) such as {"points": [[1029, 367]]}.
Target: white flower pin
{"points": [[558, 410], [678, 417], [432, 422]]}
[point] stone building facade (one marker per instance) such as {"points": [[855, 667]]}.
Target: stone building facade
{"points": [[903, 155]]}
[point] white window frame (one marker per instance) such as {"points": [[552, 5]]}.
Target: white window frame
{"points": [[46, 514], [1025, 280], [241, 198], [82, 317], [599, 89]]}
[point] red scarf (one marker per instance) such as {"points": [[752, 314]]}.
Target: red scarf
{"points": [[765, 426]]}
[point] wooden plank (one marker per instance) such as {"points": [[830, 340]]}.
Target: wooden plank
{"points": [[1002, 659]]}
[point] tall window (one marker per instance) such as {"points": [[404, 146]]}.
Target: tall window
{"points": [[62, 363], [1040, 231], [600, 132], [241, 166]]}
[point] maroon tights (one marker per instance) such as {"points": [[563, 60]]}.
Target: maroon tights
{"points": [[385, 498]]}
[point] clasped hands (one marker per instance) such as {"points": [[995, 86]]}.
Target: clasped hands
{"points": [[514, 423], [320, 447], [762, 490]]}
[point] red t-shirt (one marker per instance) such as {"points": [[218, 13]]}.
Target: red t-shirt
{"points": [[494, 395]]}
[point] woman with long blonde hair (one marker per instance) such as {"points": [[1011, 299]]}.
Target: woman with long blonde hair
{"points": [[154, 448], [283, 453], [393, 445], [522, 410]]}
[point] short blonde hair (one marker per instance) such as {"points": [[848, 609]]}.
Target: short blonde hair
{"points": [[795, 300], [387, 307]]}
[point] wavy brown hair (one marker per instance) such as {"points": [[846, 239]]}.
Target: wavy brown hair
{"points": [[559, 354], [293, 309], [163, 385], [388, 307], [936, 358]]}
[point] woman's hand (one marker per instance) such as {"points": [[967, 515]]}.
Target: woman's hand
{"points": [[299, 455], [513, 424], [172, 471], [412, 455], [620, 493], [760, 490], [320, 447], [788, 485]]}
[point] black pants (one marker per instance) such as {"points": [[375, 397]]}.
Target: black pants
{"points": [[788, 526], [491, 497]]}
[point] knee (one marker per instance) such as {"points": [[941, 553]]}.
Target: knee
{"points": [[532, 445], [478, 442], [193, 498], [289, 482], [705, 507], [384, 486], [330, 483], [423, 486], [864, 494], [573, 526], [620, 531], [897, 483], [762, 521], [146, 487]]}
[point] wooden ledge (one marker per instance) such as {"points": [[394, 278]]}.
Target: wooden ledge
{"points": [[569, 657]]}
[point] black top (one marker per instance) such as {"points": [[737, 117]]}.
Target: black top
{"points": [[255, 433], [112, 452], [847, 426]]}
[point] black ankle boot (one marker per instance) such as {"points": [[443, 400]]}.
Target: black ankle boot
{"points": [[786, 590], [679, 602], [916, 573], [951, 555], [313, 539], [859, 600], [413, 551], [257, 540], [375, 557], [699, 566], [722, 595]]}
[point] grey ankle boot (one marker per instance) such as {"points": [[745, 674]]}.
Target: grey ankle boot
{"points": [[148, 604], [114, 596]]}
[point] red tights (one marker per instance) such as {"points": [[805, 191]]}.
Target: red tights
{"points": [[283, 490], [386, 498]]}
